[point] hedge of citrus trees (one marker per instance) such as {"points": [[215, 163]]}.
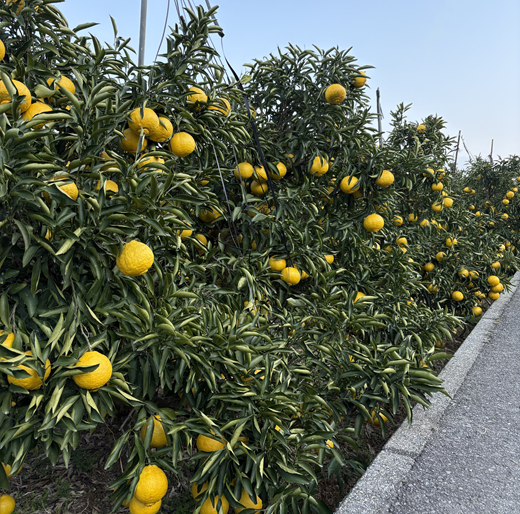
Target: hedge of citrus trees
{"points": [[244, 311]]}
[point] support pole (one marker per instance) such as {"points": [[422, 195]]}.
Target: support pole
{"points": [[379, 117], [491, 153], [456, 155], [142, 32]]}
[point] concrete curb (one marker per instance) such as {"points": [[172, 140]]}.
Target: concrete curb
{"points": [[382, 480]]}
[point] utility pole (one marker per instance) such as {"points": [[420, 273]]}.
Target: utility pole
{"points": [[142, 32], [456, 154], [379, 116]]}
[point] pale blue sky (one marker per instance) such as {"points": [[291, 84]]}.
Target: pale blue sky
{"points": [[459, 59]]}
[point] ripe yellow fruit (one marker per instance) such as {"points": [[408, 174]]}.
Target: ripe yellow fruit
{"points": [[71, 190], [477, 311], [493, 296], [373, 223], [432, 289], [211, 508], [7, 504], [349, 184], [277, 264], [493, 280], [335, 94], [451, 242], [441, 256], [145, 119], [163, 132], [510, 194], [319, 167], [209, 215], [437, 187], [135, 259], [359, 295], [130, 142], [428, 267], [282, 171], [386, 179], [203, 240], [93, 380], [33, 382], [375, 419], [437, 207], [401, 241], [291, 276], [260, 174], [244, 171], [207, 444], [447, 202], [412, 218], [504, 216], [7, 469], [159, 435], [2, 50], [182, 144], [136, 507], [359, 81], [457, 296], [197, 95], [329, 258], [463, 273], [397, 221], [152, 485], [498, 288], [424, 223], [221, 105], [110, 185], [421, 129], [259, 188], [495, 265], [245, 500], [146, 161], [22, 90], [35, 109], [505, 201], [8, 340], [64, 82], [196, 492]]}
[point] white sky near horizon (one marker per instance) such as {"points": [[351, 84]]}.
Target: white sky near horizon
{"points": [[459, 59]]}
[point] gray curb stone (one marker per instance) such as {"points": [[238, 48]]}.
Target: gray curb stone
{"points": [[383, 479]]}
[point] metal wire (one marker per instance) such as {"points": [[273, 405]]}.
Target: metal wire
{"points": [[164, 30]]}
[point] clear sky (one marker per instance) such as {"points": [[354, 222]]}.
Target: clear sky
{"points": [[459, 59]]}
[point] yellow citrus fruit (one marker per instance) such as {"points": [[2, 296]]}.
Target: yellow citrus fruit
{"points": [[110, 185], [447, 202], [7, 504], [207, 444], [412, 218], [329, 258], [375, 419], [457, 296], [441, 256], [424, 223], [437, 207], [71, 190], [163, 132], [493, 280], [260, 174], [2, 50], [185, 233], [221, 105], [477, 311], [34, 381], [493, 296], [463, 273], [451, 242], [209, 215], [432, 289], [386, 179], [152, 485], [428, 267], [145, 119], [196, 492], [498, 288], [319, 167], [93, 380], [359, 295], [135, 259], [282, 171], [335, 94], [495, 265], [244, 170], [258, 188], [421, 129], [401, 241], [277, 264], [397, 221], [130, 142], [437, 187], [197, 95], [64, 82], [203, 240], [159, 435], [211, 508], [504, 216], [35, 109], [245, 500], [136, 507], [348, 184], [22, 90], [373, 223], [148, 161], [291, 276], [8, 340], [505, 201], [359, 81], [182, 144]]}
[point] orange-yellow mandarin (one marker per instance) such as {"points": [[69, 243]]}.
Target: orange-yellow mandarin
{"points": [[259, 188], [277, 264], [7, 504], [145, 119], [22, 91], [136, 507], [163, 132], [221, 105], [329, 258], [159, 435], [2, 50], [386, 179], [209, 507], [130, 142], [152, 485], [110, 185], [207, 444], [319, 167], [291, 276], [8, 340], [245, 500], [32, 382], [244, 170], [182, 144], [64, 82], [146, 162], [196, 95], [260, 174], [335, 94], [373, 223], [135, 259], [281, 171], [359, 81], [97, 378], [349, 184], [35, 109]]}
